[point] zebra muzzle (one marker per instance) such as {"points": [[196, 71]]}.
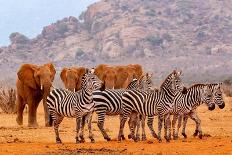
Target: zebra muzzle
{"points": [[212, 107]]}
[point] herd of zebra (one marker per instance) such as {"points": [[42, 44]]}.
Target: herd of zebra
{"points": [[139, 101]]}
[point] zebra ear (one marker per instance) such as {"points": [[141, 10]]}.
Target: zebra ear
{"points": [[92, 70]]}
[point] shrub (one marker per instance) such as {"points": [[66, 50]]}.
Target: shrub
{"points": [[62, 28]]}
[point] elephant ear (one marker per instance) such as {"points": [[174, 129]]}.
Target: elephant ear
{"points": [[80, 72], [26, 75], [52, 70], [63, 74]]}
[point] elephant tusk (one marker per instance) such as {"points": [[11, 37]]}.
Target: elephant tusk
{"points": [[41, 87], [74, 90]]}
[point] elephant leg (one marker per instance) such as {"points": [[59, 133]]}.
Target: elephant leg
{"points": [[46, 115], [20, 107], [32, 114]]}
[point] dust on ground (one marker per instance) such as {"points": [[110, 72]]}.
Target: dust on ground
{"points": [[216, 126]]}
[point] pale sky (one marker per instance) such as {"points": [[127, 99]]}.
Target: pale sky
{"points": [[30, 16]]}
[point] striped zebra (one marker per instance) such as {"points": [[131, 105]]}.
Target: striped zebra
{"points": [[109, 102], [64, 103], [152, 104], [136, 119], [186, 105]]}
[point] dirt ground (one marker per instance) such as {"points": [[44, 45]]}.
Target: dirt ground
{"points": [[216, 125]]}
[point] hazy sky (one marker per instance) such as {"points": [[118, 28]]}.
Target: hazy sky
{"points": [[30, 16]]}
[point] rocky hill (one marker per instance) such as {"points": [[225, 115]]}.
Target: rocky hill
{"points": [[195, 36]]}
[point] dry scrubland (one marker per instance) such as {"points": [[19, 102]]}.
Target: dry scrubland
{"points": [[216, 125]]}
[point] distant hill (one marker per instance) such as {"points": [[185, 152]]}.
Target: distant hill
{"points": [[194, 36]]}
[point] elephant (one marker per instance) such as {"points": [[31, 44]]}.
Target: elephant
{"points": [[33, 84], [116, 77], [72, 77]]}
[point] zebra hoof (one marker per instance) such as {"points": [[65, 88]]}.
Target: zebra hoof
{"points": [[200, 136], [144, 138], [136, 140], [175, 137], [159, 139], [58, 141], [123, 137], [195, 133], [183, 134], [129, 136], [108, 138], [167, 138], [92, 141], [82, 140]]}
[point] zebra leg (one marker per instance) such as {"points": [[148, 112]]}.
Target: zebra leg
{"points": [[143, 128], [167, 127], [78, 126], [100, 124], [150, 125], [185, 120], [82, 139], [137, 138], [175, 134], [160, 121], [57, 122], [122, 125], [90, 128], [194, 117], [132, 123]]}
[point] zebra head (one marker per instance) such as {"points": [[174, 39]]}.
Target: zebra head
{"points": [[217, 96], [177, 84], [145, 82], [92, 82], [207, 97]]}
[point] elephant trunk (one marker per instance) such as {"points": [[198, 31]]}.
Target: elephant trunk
{"points": [[46, 91]]}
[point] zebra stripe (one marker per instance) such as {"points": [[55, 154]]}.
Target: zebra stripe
{"points": [[64, 103], [186, 104], [152, 103], [109, 102]]}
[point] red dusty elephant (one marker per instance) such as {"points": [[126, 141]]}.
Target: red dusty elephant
{"points": [[118, 76], [33, 85], [72, 77]]}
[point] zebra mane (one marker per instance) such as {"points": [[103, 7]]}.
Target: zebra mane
{"points": [[167, 78], [197, 85]]}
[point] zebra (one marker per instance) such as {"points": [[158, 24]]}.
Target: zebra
{"points": [[108, 102], [135, 119], [64, 103], [152, 103], [186, 105]]}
